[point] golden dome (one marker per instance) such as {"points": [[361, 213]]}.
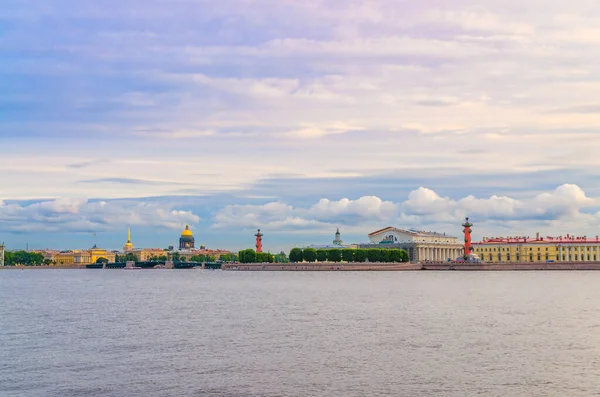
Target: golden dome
{"points": [[187, 232]]}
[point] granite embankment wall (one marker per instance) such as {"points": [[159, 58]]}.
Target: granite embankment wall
{"points": [[322, 266], [513, 266]]}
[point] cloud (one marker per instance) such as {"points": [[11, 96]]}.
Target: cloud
{"points": [[422, 207], [82, 215]]}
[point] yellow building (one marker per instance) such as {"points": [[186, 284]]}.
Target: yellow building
{"points": [[539, 249], [147, 254], [78, 257]]}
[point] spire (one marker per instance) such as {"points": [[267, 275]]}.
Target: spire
{"points": [[129, 234]]}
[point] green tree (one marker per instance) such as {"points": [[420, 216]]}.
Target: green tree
{"points": [[296, 255], [175, 256], [374, 255], [348, 255], [309, 255], [360, 255], [130, 257], [405, 256], [47, 262], [334, 255], [384, 255], [395, 255], [322, 255], [248, 256], [9, 259], [281, 258], [101, 260]]}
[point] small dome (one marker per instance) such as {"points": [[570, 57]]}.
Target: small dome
{"points": [[187, 232]]}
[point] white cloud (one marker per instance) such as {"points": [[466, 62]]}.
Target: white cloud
{"points": [[81, 215], [423, 207]]}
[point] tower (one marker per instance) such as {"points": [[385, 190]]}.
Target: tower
{"points": [[258, 236], [338, 239], [2, 254], [467, 232], [128, 246], [186, 241]]}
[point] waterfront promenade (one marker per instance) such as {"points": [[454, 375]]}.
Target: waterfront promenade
{"points": [[432, 266]]}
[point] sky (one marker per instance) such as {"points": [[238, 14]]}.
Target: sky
{"points": [[296, 118]]}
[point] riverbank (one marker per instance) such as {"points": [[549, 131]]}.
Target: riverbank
{"points": [[300, 267], [41, 267], [524, 266]]}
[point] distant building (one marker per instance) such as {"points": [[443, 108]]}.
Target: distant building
{"points": [[128, 245], [337, 243], [2, 254], [78, 257], [186, 241], [539, 249], [338, 239], [421, 245]]}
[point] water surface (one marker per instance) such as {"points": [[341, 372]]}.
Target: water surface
{"points": [[212, 333]]}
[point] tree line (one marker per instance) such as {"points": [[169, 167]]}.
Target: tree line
{"points": [[349, 255], [24, 258], [251, 256]]}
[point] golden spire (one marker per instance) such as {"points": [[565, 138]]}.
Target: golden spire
{"points": [[128, 246]]}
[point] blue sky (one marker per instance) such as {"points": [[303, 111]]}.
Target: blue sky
{"points": [[296, 118]]}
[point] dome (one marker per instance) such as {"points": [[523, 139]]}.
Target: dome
{"points": [[187, 232]]}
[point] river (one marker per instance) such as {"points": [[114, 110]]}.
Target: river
{"points": [[249, 334]]}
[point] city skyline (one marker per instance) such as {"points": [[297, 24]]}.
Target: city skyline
{"points": [[296, 118]]}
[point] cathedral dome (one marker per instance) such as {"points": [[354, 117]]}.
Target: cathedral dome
{"points": [[187, 232]]}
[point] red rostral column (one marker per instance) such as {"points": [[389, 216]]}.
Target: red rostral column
{"points": [[258, 241], [467, 231]]}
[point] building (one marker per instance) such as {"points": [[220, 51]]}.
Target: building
{"points": [[2, 254], [78, 257], [186, 241], [338, 238], [539, 249], [421, 245], [128, 245], [337, 243]]}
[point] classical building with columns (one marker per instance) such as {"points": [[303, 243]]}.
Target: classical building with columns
{"points": [[421, 245], [539, 249]]}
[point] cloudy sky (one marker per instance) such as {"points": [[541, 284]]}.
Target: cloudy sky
{"points": [[296, 117]]}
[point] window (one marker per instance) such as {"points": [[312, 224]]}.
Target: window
{"points": [[508, 257], [491, 257], [530, 257]]}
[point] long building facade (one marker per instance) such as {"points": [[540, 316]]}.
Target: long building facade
{"points": [[421, 246], [539, 249]]}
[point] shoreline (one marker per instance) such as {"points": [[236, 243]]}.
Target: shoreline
{"points": [[356, 266]]}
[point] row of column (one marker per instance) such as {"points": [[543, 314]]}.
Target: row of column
{"points": [[438, 253], [577, 254]]}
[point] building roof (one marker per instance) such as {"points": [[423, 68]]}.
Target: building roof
{"points": [[412, 232], [187, 232], [539, 240]]}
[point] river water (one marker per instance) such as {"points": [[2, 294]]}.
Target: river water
{"points": [[245, 334]]}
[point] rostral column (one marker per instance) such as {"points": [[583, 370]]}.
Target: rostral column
{"points": [[467, 231], [258, 241]]}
